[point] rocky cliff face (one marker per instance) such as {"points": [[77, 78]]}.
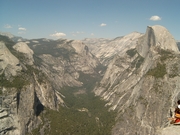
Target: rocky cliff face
{"points": [[178, 44], [156, 36], [143, 84], [28, 53], [9, 64], [23, 94], [106, 49], [64, 61], [31, 79]]}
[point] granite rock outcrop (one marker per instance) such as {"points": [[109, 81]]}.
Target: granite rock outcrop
{"points": [[143, 84], [33, 73], [140, 79]]}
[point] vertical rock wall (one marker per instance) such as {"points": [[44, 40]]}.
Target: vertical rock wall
{"points": [[143, 85]]}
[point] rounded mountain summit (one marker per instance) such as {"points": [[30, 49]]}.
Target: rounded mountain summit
{"points": [[156, 36]]}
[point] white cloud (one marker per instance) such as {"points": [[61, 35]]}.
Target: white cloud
{"points": [[58, 34], [7, 26], [77, 33], [155, 18], [22, 29], [92, 34], [103, 24]]}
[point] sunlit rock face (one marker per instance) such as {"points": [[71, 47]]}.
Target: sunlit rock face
{"points": [[156, 36], [31, 79], [141, 81], [64, 61], [143, 84], [106, 49], [9, 64], [28, 53], [164, 39]]}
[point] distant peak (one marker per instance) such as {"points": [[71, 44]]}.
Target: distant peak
{"points": [[7, 34], [156, 36], [164, 39]]}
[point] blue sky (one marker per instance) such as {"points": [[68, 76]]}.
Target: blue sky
{"points": [[79, 19]]}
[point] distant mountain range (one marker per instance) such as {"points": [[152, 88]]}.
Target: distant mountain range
{"points": [[124, 86]]}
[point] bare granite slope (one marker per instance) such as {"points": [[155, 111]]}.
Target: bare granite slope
{"points": [[32, 80], [143, 84], [106, 49], [23, 48], [156, 36], [9, 64]]}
